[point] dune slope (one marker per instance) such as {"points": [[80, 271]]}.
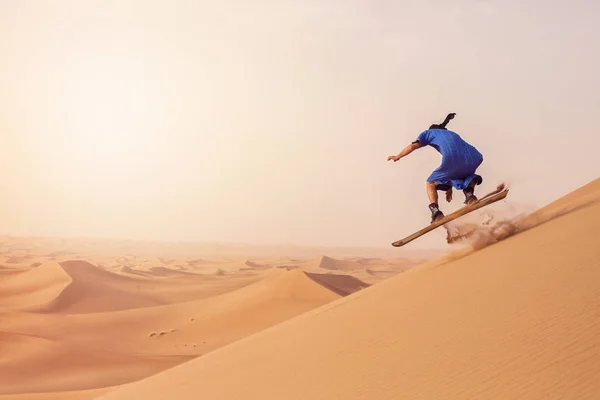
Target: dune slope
{"points": [[33, 287], [94, 290], [518, 319], [95, 350], [340, 284], [209, 323], [45, 365]]}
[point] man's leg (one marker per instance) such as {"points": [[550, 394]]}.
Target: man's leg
{"points": [[432, 192], [433, 201]]}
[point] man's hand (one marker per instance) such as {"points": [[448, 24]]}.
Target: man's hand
{"points": [[407, 150], [449, 195]]}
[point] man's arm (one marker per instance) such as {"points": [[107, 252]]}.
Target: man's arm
{"points": [[406, 151]]}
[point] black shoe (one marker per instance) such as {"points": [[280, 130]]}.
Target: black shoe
{"points": [[470, 198], [436, 214]]}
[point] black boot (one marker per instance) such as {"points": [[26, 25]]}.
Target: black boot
{"points": [[435, 212], [470, 197]]}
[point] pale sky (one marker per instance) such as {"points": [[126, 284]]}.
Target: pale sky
{"points": [[271, 122]]}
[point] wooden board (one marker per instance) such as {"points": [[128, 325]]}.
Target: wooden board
{"points": [[492, 197]]}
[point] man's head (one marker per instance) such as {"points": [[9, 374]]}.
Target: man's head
{"points": [[443, 124]]}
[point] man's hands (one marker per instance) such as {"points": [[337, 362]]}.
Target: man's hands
{"points": [[406, 151], [449, 195]]}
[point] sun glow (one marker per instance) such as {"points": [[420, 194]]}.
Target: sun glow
{"points": [[109, 112]]}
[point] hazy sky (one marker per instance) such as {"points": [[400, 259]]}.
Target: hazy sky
{"points": [[271, 121]]}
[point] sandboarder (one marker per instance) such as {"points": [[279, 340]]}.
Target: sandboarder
{"points": [[460, 161]]}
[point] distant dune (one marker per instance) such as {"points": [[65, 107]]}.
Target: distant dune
{"points": [[168, 272], [380, 273], [34, 287], [517, 319], [341, 265], [257, 266], [95, 290], [141, 341], [340, 284], [76, 287]]}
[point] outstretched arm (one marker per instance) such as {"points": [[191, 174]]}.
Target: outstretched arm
{"points": [[406, 151]]}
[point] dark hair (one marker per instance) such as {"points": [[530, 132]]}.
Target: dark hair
{"points": [[443, 124]]}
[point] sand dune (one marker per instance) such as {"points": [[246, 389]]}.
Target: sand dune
{"points": [[515, 320], [203, 258], [383, 273], [126, 345], [74, 287], [95, 290], [368, 270], [498, 227], [29, 358], [512, 316], [355, 264], [340, 284], [341, 265], [209, 323], [33, 287], [257, 266], [166, 272], [127, 270]]}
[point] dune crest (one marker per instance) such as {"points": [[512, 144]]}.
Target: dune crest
{"points": [[499, 227], [340, 265], [34, 287], [85, 288], [95, 290]]}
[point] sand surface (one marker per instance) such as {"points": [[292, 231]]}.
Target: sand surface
{"points": [[514, 316], [512, 313], [81, 317]]}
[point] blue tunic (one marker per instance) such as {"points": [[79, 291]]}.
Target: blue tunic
{"points": [[460, 160]]}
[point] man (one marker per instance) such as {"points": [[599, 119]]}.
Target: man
{"points": [[460, 160]]}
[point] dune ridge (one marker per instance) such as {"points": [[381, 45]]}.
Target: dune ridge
{"points": [[34, 287], [499, 227], [93, 289], [77, 286]]}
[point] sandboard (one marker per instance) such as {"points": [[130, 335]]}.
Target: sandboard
{"points": [[496, 195]]}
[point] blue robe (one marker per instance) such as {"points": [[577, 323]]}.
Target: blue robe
{"points": [[460, 160]]}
